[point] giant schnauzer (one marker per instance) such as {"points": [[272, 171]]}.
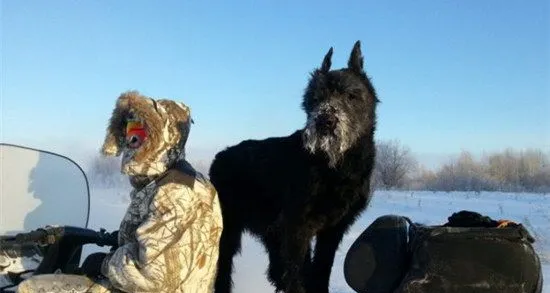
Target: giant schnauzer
{"points": [[313, 183]]}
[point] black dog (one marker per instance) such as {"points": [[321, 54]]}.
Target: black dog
{"points": [[315, 182]]}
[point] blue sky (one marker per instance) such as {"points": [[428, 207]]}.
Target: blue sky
{"points": [[451, 75]]}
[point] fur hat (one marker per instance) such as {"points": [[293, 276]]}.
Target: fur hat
{"points": [[166, 124]]}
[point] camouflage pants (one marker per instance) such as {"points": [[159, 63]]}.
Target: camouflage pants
{"points": [[61, 283]]}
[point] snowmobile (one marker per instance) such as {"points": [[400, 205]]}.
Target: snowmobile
{"points": [[471, 253], [44, 213]]}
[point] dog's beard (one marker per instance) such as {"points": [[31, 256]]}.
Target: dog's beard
{"points": [[333, 144]]}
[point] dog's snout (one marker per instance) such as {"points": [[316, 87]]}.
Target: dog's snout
{"points": [[326, 122]]}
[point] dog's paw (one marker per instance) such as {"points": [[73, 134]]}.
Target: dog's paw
{"points": [[295, 286]]}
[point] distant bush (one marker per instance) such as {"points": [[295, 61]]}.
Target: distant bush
{"points": [[508, 171], [201, 166], [520, 171], [463, 174], [105, 172]]}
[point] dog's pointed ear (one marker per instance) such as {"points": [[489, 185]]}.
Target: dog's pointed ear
{"points": [[327, 61], [355, 62]]}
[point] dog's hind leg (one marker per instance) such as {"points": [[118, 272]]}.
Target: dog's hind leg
{"points": [[230, 244]]}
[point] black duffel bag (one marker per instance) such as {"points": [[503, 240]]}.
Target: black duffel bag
{"points": [[471, 253]]}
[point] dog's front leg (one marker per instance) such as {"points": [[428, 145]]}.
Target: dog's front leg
{"points": [[326, 244], [294, 251]]}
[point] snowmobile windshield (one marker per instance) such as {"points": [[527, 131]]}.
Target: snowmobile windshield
{"points": [[40, 188]]}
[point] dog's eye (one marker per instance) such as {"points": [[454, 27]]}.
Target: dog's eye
{"points": [[354, 94]]}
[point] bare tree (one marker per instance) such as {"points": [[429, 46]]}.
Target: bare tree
{"points": [[394, 164], [503, 168], [533, 169]]}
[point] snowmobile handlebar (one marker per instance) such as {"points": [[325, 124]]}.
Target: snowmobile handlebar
{"points": [[40, 236], [50, 235], [88, 236]]}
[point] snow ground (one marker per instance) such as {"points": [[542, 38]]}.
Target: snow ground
{"points": [[533, 210]]}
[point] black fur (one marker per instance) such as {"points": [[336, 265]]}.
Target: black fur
{"points": [[287, 190]]}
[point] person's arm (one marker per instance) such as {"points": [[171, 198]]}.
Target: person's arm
{"points": [[147, 265]]}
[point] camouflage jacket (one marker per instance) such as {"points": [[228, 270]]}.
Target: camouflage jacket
{"points": [[168, 240], [169, 237]]}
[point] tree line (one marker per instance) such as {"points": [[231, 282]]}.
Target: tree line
{"points": [[397, 168], [507, 171]]}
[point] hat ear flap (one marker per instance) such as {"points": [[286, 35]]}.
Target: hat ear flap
{"points": [[114, 139], [111, 146]]}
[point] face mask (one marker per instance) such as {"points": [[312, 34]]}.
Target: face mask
{"points": [[135, 133]]}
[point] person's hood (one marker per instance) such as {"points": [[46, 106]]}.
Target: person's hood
{"points": [[166, 125]]}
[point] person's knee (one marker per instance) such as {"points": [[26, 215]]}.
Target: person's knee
{"points": [[26, 286], [56, 282], [91, 266], [39, 283]]}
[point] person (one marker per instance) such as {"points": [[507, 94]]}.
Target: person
{"points": [[169, 236]]}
